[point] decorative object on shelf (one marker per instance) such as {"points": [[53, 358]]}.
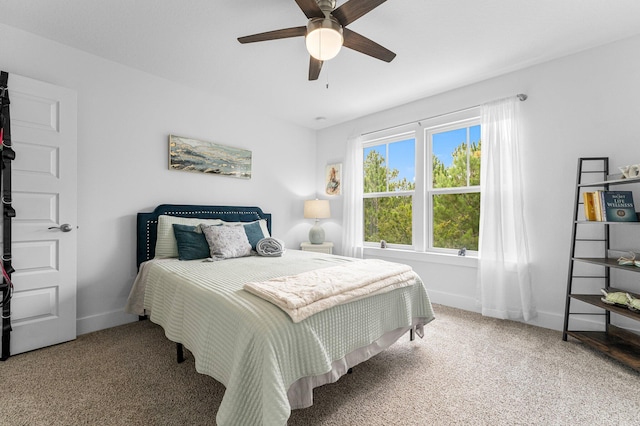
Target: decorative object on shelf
{"points": [[194, 155], [630, 171], [614, 298], [333, 179], [316, 209], [633, 303], [629, 261]]}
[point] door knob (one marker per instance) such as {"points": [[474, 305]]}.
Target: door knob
{"points": [[65, 227]]}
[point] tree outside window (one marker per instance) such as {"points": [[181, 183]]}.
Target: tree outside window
{"points": [[389, 182], [455, 189]]}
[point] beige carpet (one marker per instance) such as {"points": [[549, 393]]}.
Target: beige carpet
{"points": [[468, 370]]}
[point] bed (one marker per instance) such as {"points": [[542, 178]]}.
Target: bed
{"points": [[268, 363]]}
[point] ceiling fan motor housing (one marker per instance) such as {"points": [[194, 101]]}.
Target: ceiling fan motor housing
{"points": [[326, 5]]}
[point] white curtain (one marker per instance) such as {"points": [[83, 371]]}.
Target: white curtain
{"points": [[503, 277], [352, 173]]}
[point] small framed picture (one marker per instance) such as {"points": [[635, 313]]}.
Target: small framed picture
{"points": [[333, 179]]}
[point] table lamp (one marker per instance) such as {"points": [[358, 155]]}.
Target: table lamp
{"points": [[316, 209]]}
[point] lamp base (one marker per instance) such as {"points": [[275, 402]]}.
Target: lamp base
{"points": [[316, 234]]}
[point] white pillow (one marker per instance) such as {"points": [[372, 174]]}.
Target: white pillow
{"points": [[166, 244], [255, 230], [227, 241]]}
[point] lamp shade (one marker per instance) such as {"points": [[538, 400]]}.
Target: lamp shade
{"points": [[324, 38], [317, 209]]}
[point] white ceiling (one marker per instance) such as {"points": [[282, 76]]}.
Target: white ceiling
{"points": [[440, 45]]}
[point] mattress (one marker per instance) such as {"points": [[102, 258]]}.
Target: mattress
{"points": [[251, 346]]}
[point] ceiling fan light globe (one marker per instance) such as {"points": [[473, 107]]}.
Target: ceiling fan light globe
{"points": [[324, 38]]}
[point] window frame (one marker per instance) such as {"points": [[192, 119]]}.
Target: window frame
{"points": [[422, 206], [430, 191], [386, 140]]}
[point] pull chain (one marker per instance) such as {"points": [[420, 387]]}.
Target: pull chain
{"points": [[327, 75]]}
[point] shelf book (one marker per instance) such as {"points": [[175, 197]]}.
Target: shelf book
{"points": [[617, 206], [589, 205], [609, 206]]}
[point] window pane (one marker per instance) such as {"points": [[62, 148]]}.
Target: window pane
{"points": [[402, 165], [375, 169], [474, 159], [450, 158], [456, 220], [389, 219]]}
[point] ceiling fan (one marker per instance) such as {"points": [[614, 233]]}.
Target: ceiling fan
{"points": [[326, 31]]}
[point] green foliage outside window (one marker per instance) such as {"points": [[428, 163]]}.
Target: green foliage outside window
{"points": [[389, 219], [456, 217], [386, 218]]}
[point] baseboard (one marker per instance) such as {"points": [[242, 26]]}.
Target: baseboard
{"points": [[550, 320], [453, 300], [104, 320]]}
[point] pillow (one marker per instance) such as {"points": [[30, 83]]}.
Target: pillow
{"points": [[253, 234], [256, 231], [227, 241], [191, 242], [166, 245]]}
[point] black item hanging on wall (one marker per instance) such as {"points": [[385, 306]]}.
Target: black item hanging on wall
{"points": [[8, 155]]}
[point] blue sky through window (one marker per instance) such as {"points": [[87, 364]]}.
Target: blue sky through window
{"points": [[402, 153], [446, 142], [402, 158]]}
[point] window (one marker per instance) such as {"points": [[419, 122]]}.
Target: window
{"points": [[453, 192], [389, 184], [422, 187]]}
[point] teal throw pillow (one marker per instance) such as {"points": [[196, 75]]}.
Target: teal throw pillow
{"points": [[192, 243], [254, 233]]}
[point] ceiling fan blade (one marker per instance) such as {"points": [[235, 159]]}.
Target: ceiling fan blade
{"points": [[355, 41], [354, 9], [273, 35], [315, 65], [310, 8]]}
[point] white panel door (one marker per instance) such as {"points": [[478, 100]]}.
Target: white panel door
{"points": [[44, 186]]}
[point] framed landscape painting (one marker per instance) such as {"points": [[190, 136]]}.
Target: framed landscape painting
{"points": [[194, 155]]}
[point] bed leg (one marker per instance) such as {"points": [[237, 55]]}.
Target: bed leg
{"points": [[179, 352], [411, 335]]}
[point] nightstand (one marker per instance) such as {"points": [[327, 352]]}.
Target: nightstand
{"points": [[326, 247]]}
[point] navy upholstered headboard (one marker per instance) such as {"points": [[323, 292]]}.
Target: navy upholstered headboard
{"points": [[147, 227]]}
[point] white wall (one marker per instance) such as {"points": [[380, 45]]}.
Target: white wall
{"points": [[124, 119], [579, 106]]}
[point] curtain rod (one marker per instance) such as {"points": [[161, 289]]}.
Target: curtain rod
{"points": [[521, 97]]}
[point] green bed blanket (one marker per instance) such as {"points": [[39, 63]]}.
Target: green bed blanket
{"points": [[250, 345]]}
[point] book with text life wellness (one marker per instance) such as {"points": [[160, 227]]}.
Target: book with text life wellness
{"points": [[618, 206]]}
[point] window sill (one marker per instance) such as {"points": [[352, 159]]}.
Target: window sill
{"points": [[441, 258]]}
